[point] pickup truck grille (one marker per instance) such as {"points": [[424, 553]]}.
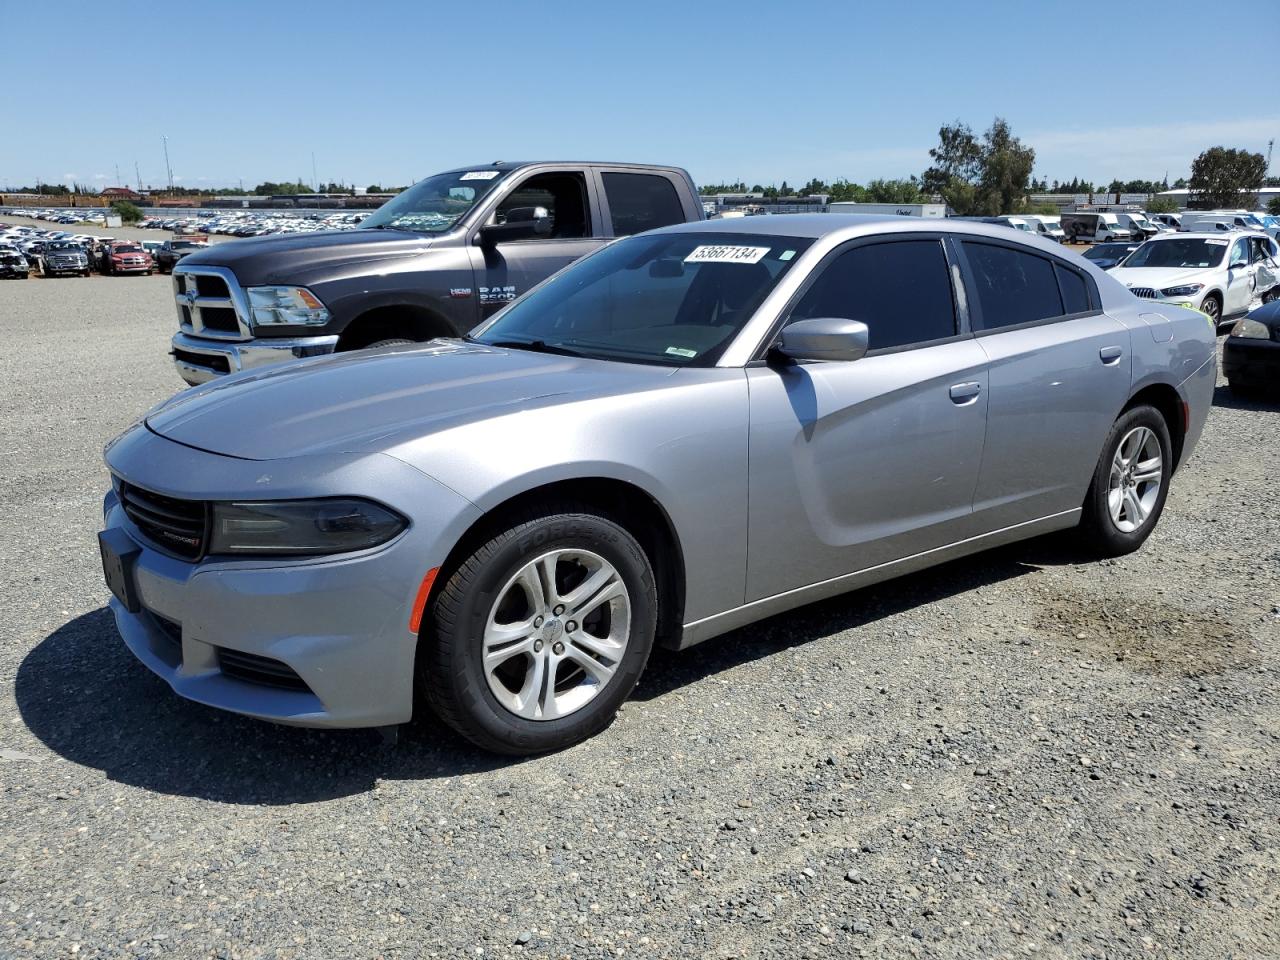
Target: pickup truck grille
{"points": [[64, 262], [211, 303]]}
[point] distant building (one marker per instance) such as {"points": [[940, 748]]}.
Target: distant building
{"points": [[1256, 201], [718, 204], [120, 193]]}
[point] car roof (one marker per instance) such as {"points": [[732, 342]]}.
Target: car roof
{"points": [[812, 226], [1210, 235]]}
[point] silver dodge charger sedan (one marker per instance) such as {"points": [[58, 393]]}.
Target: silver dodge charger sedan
{"points": [[683, 433]]}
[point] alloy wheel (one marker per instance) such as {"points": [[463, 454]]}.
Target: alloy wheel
{"points": [[1137, 472], [556, 634]]}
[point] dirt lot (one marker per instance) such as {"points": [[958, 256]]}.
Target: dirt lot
{"points": [[1020, 753]]}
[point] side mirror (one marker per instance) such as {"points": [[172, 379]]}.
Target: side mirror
{"points": [[523, 223], [825, 338]]}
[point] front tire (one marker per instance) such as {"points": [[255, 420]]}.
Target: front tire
{"points": [[540, 634], [391, 342], [1130, 483], [1213, 307]]}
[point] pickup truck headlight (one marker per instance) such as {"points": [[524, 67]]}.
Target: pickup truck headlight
{"points": [[302, 527], [270, 306], [1185, 290], [1251, 330]]}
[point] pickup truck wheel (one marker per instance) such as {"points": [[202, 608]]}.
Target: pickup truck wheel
{"points": [[1130, 483], [540, 634], [395, 342]]}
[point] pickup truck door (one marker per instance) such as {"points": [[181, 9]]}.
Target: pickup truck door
{"points": [[506, 270]]}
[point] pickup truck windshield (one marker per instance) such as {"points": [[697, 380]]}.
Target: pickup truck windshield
{"points": [[435, 204], [1178, 253], [675, 299]]}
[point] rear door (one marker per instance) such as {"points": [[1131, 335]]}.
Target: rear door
{"points": [[1241, 278], [854, 464], [506, 270], [638, 200], [1059, 375]]}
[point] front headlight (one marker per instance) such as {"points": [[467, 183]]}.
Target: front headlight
{"points": [[1184, 291], [336, 525], [285, 305], [1251, 330]]}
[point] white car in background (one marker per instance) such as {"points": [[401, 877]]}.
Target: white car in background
{"points": [[1222, 275]]}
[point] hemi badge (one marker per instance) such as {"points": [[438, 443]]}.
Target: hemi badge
{"points": [[459, 293]]}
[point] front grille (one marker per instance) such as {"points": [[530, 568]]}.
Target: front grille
{"points": [[1146, 293], [208, 285], [212, 361], [220, 318], [180, 526], [210, 303], [252, 668]]}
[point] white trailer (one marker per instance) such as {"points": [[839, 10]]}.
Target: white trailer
{"points": [[929, 211]]}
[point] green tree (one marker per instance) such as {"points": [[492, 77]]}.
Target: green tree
{"points": [[1222, 178], [129, 213], [1162, 205], [979, 177], [1273, 206], [894, 191]]}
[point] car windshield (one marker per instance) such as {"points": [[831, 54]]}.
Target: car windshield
{"points": [[1181, 252], [1106, 251], [185, 245], [127, 249], [676, 299], [435, 204], [62, 245]]}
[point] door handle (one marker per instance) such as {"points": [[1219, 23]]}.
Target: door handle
{"points": [[963, 394], [1110, 355]]}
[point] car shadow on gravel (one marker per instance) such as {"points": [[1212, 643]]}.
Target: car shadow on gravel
{"points": [[1224, 397], [87, 699], [668, 670]]}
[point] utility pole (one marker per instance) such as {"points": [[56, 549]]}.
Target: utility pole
{"points": [[138, 174], [1266, 173], [168, 169], [314, 178]]}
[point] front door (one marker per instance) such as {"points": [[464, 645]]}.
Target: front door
{"points": [[506, 270], [1241, 279], [854, 464]]}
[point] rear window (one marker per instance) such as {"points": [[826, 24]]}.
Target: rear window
{"points": [[1012, 287], [1075, 292], [641, 201]]}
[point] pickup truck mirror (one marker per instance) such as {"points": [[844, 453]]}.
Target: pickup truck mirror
{"points": [[825, 338], [523, 223]]}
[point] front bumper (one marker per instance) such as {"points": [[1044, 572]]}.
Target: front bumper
{"points": [[338, 626], [201, 359], [1251, 362]]}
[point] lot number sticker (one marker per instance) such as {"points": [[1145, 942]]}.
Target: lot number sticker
{"points": [[726, 254], [479, 175]]}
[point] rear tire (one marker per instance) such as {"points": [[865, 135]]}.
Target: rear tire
{"points": [[495, 619], [1130, 484]]}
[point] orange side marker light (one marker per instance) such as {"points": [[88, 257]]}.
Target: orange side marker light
{"points": [[420, 601]]}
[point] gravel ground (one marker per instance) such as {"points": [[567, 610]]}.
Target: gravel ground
{"points": [[1018, 753]]}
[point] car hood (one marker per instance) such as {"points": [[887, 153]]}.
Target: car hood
{"points": [[374, 400], [1159, 277], [282, 257]]}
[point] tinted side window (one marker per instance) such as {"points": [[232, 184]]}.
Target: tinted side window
{"points": [[1075, 292], [1012, 287], [901, 291], [641, 201]]}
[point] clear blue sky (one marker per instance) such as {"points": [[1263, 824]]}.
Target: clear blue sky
{"points": [[391, 91]]}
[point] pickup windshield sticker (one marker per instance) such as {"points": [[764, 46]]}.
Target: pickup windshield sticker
{"points": [[479, 175], [726, 254], [786, 255], [681, 352], [1216, 243]]}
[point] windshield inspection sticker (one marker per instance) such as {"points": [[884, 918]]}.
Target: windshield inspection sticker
{"points": [[1216, 243], [682, 352], [786, 255], [726, 254], [479, 175]]}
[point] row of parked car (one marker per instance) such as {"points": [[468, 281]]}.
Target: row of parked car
{"points": [[52, 253], [256, 224]]}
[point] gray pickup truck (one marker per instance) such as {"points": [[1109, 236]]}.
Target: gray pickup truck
{"points": [[431, 262]]}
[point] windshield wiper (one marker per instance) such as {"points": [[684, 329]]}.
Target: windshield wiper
{"points": [[536, 346]]}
